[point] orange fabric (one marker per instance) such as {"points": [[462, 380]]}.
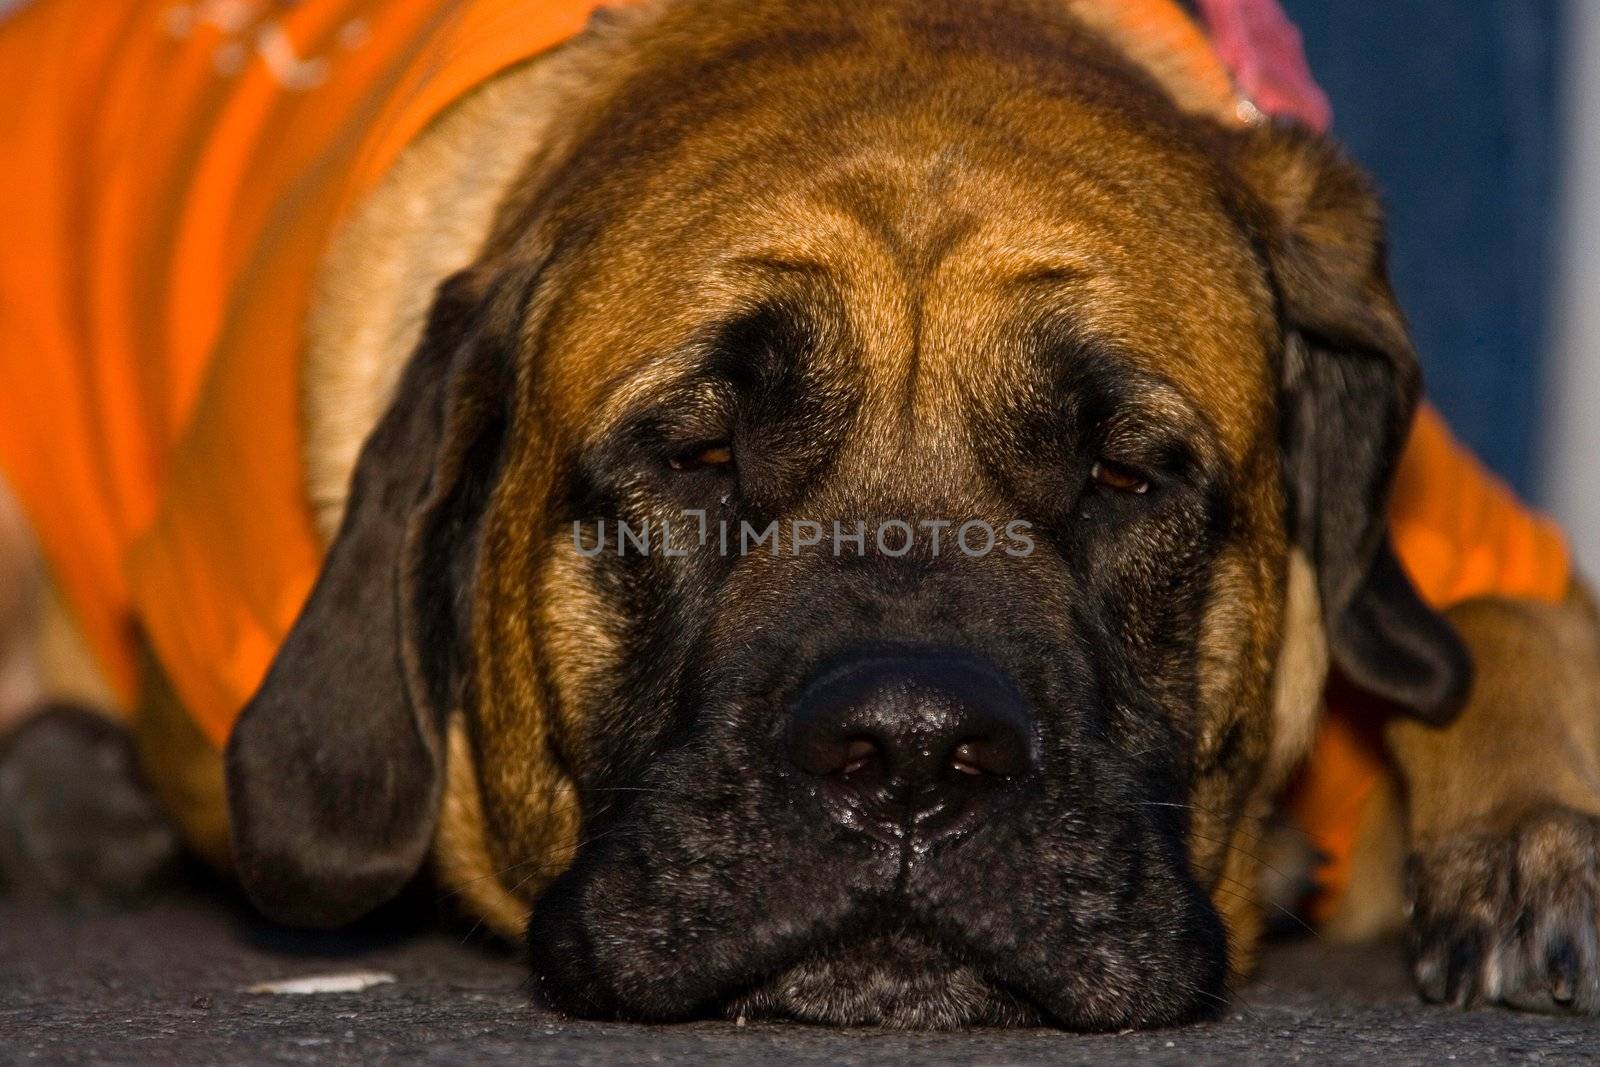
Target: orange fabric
{"points": [[1461, 534], [172, 174], [1460, 531], [1329, 797], [1159, 32]]}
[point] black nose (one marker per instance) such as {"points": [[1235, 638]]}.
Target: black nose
{"points": [[911, 739]]}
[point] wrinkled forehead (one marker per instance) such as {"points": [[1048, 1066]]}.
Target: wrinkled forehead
{"points": [[954, 268]]}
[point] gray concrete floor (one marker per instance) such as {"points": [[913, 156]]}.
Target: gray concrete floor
{"points": [[165, 984]]}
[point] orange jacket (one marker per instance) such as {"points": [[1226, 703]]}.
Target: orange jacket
{"points": [[173, 173]]}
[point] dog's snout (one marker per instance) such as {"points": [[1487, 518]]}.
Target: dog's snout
{"points": [[911, 738]]}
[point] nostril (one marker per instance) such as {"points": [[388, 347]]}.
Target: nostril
{"points": [[966, 759], [1000, 757], [829, 755], [859, 753], [908, 736]]}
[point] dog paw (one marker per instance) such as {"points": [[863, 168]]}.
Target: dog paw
{"points": [[77, 825], [1510, 918]]}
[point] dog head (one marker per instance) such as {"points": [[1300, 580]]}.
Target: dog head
{"points": [[875, 509]]}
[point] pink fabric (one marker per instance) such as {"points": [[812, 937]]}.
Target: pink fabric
{"points": [[1259, 44]]}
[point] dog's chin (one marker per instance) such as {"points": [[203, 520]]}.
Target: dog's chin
{"points": [[892, 980]]}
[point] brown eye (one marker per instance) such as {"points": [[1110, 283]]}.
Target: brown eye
{"points": [[1122, 479], [717, 454]]}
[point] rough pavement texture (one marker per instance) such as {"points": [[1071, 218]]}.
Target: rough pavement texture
{"points": [[164, 984]]}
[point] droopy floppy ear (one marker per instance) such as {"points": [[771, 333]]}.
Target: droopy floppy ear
{"points": [[1350, 389], [335, 767]]}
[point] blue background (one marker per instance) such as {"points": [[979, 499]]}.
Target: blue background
{"points": [[1453, 106]]}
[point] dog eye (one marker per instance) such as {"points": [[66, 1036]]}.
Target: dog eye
{"points": [[1116, 476], [700, 457]]}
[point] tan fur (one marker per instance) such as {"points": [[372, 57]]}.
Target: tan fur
{"points": [[183, 768], [68, 670], [21, 579], [1301, 672], [1374, 904], [461, 854], [1528, 743], [490, 881], [426, 220], [530, 805], [1235, 637], [1530, 736], [1235, 889]]}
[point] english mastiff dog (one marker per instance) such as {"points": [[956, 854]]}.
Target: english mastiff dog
{"points": [[635, 626]]}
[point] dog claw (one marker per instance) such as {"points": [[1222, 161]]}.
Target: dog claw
{"points": [[1430, 979], [1466, 960], [1563, 968], [1510, 918]]}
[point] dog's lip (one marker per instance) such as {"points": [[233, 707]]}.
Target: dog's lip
{"points": [[744, 1002]]}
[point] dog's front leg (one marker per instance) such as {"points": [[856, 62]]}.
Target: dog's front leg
{"points": [[76, 820], [1504, 815]]}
